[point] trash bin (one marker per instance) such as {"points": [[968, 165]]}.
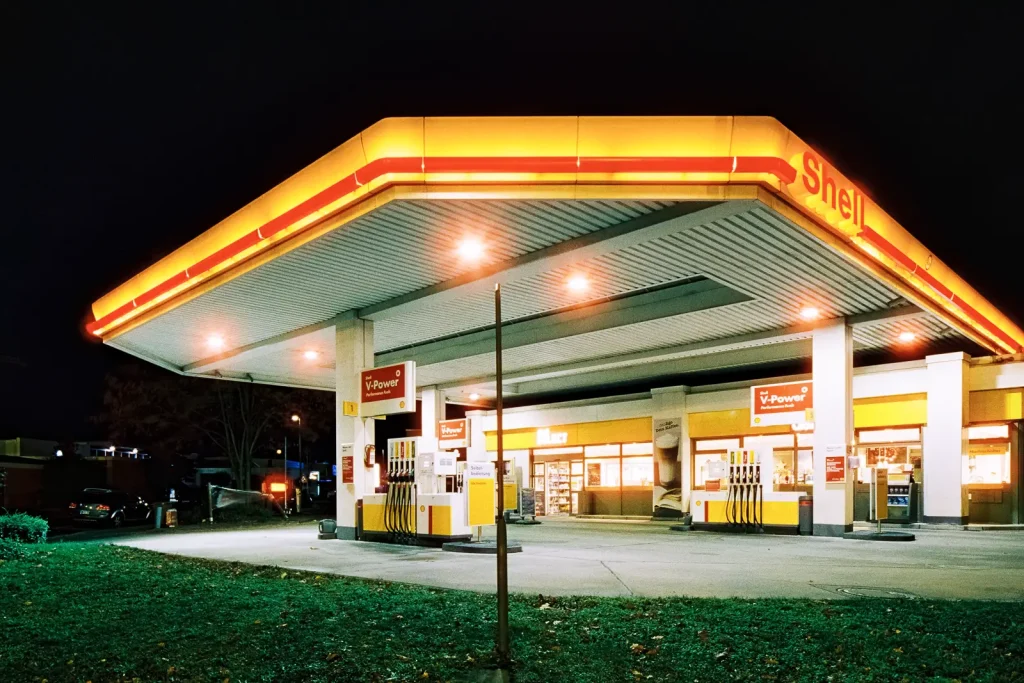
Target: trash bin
{"points": [[159, 516], [806, 519], [172, 518]]}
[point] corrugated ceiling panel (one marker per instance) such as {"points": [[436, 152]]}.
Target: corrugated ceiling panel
{"points": [[351, 268]]}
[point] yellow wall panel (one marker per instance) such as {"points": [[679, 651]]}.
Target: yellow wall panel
{"points": [[728, 423], [996, 405], [630, 430], [890, 411]]}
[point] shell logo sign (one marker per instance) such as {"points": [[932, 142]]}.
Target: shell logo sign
{"points": [[453, 433], [388, 390], [830, 195], [781, 404]]}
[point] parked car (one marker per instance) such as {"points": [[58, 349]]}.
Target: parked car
{"points": [[107, 506]]}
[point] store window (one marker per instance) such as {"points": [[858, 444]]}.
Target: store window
{"points": [[602, 473], [707, 450], [791, 462], [638, 471], [897, 449], [988, 455], [561, 474]]}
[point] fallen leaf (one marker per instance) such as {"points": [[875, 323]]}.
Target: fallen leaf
{"points": [[898, 650], [722, 655], [425, 675], [637, 648], [27, 603], [331, 657], [170, 670], [703, 635], [469, 658], [257, 622], [556, 623], [402, 658], [657, 637], [546, 605], [284, 575]]}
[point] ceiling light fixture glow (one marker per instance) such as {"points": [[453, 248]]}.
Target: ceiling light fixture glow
{"points": [[907, 337], [311, 355], [578, 283], [474, 396], [810, 313], [215, 342], [471, 249]]}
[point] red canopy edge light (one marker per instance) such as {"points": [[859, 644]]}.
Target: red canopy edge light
{"points": [[780, 168]]}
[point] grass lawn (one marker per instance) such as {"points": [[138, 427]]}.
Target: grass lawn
{"points": [[90, 612]]}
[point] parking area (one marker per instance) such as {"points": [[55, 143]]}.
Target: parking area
{"points": [[648, 559]]}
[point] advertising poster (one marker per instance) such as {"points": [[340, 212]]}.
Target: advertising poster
{"points": [[453, 433], [782, 404], [482, 500], [668, 484], [388, 390]]}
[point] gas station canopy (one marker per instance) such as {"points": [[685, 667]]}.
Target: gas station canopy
{"points": [[626, 248]]}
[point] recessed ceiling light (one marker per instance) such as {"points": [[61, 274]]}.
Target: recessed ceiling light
{"points": [[215, 342], [907, 337], [474, 396], [311, 355], [471, 249], [578, 283], [810, 313]]}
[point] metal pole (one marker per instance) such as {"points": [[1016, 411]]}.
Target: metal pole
{"points": [[285, 473], [503, 648], [209, 496]]}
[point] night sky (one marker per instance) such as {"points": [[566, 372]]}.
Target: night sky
{"points": [[130, 129]]}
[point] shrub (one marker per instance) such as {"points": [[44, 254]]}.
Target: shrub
{"points": [[12, 550], [18, 526]]}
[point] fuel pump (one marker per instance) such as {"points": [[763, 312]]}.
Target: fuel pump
{"points": [[400, 497], [744, 507]]}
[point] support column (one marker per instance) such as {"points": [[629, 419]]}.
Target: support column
{"points": [[832, 372], [431, 410], [945, 438], [353, 351], [477, 451]]}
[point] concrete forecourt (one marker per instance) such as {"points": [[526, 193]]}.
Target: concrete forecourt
{"points": [[644, 559]]}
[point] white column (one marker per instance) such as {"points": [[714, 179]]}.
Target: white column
{"points": [[670, 402], [431, 410], [945, 438], [353, 352], [832, 372], [477, 451]]}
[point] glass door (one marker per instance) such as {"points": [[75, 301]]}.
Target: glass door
{"points": [[557, 488], [575, 485], [537, 482]]}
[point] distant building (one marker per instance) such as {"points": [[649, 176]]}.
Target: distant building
{"points": [[21, 472]]}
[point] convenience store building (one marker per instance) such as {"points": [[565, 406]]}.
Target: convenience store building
{"points": [[636, 255]]}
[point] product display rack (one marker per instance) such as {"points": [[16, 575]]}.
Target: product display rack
{"points": [[557, 489]]}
